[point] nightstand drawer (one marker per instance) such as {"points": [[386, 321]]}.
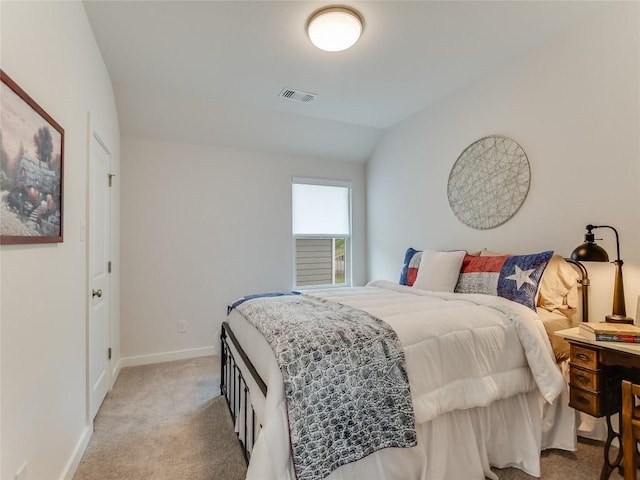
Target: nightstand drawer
{"points": [[584, 357], [582, 378], [588, 402]]}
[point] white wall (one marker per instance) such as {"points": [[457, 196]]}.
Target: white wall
{"points": [[49, 50], [573, 105], [201, 227]]}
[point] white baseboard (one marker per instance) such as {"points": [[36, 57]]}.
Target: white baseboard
{"points": [[165, 357], [115, 372], [73, 462]]}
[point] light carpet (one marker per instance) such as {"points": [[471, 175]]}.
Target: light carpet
{"points": [[166, 422]]}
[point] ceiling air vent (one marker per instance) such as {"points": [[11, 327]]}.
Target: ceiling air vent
{"points": [[297, 95]]}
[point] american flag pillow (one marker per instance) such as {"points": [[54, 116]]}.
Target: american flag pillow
{"points": [[515, 277], [409, 272]]}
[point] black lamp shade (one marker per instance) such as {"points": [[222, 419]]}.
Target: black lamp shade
{"points": [[590, 252]]}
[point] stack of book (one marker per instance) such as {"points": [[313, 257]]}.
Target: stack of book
{"points": [[610, 332]]}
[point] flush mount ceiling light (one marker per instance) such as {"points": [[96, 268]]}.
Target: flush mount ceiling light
{"points": [[334, 28]]}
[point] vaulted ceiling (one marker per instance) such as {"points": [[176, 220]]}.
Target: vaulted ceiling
{"points": [[210, 72]]}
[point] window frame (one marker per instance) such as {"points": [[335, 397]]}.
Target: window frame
{"points": [[348, 238]]}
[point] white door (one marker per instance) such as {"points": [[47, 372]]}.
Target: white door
{"points": [[99, 325]]}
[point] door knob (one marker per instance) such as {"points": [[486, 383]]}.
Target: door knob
{"points": [[96, 293]]}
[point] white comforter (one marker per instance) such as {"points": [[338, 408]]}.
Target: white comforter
{"points": [[462, 351]]}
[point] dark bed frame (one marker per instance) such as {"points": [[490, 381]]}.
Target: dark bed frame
{"points": [[234, 387]]}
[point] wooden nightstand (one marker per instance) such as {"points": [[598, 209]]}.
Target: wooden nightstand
{"points": [[593, 388], [596, 371]]}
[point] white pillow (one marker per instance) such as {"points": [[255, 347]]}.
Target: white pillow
{"points": [[439, 271]]}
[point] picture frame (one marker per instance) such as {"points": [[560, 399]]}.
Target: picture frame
{"points": [[31, 169]]}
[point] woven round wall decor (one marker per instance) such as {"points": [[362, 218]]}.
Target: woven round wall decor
{"points": [[489, 182]]}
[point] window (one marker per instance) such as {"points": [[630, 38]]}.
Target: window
{"points": [[321, 232]]}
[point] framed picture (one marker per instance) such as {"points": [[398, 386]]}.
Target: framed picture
{"points": [[31, 169]]}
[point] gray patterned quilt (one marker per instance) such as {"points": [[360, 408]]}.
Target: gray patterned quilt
{"points": [[345, 380]]}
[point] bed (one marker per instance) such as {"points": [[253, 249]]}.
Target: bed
{"points": [[485, 385]]}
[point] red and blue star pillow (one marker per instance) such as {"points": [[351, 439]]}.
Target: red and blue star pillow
{"points": [[515, 277]]}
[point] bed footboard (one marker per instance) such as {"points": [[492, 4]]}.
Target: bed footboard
{"points": [[235, 390]]}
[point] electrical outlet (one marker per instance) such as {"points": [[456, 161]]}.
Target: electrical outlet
{"points": [[182, 326], [21, 474]]}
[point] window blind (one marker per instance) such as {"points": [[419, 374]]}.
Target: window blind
{"points": [[320, 210]]}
